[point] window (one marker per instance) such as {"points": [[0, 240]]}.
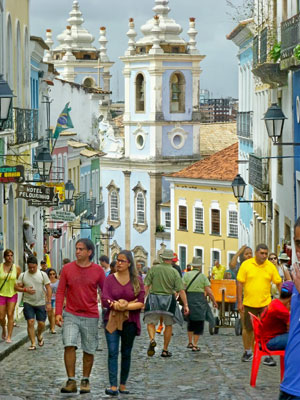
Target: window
{"points": [[89, 82], [215, 222], [198, 252], [113, 217], [233, 223], [198, 220], [140, 208], [177, 93], [168, 220], [182, 257], [230, 254], [140, 214], [215, 256], [114, 206], [140, 93], [182, 212]]}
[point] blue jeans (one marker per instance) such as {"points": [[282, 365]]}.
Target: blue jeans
{"points": [[278, 342], [127, 336]]}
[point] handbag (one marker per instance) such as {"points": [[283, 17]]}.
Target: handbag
{"points": [[5, 280], [179, 299]]}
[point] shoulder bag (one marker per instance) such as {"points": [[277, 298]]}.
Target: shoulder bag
{"points": [[186, 289]]}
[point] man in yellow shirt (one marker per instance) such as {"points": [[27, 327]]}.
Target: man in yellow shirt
{"points": [[218, 271], [255, 277]]}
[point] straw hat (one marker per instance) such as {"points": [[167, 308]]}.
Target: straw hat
{"points": [[284, 257], [167, 254], [196, 262]]}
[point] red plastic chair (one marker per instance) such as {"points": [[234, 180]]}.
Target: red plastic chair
{"points": [[260, 350]]}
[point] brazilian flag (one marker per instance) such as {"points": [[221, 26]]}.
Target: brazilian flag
{"points": [[64, 121]]}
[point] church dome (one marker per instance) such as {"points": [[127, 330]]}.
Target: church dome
{"points": [[82, 39], [169, 29]]}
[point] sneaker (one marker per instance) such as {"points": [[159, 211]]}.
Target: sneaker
{"points": [[70, 387], [85, 386], [269, 361], [247, 357], [159, 329]]}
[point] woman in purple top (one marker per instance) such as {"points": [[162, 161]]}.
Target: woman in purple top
{"points": [[125, 284]]}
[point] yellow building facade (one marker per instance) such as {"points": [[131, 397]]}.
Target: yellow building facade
{"points": [[204, 211]]}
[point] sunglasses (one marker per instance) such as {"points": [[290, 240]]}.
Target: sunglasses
{"points": [[52, 273], [272, 258]]}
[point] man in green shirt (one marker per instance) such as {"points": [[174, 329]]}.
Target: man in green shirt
{"points": [[162, 282]]}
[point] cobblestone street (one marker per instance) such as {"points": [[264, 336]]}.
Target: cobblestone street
{"points": [[215, 373]]}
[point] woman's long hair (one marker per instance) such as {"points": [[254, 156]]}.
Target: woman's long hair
{"points": [[132, 272]]}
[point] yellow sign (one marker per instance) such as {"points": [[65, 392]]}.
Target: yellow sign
{"points": [[59, 187]]}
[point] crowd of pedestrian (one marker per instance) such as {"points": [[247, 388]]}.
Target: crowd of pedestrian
{"points": [[266, 288]]}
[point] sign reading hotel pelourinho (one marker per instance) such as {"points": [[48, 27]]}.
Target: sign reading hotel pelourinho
{"points": [[41, 193], [12, 174]]}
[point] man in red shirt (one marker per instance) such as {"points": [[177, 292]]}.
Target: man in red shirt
{"points": [[79, 282], [276, 318]]}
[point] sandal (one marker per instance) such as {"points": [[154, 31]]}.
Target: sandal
{"points": [[166, 353], [151, 348], [196, 348], [190, 346], [40, 341], [8, 341], [32, 348]]}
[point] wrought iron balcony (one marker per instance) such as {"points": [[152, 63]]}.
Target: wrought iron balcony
{"points": [[260, 47], [258, 173], [244, 124], [91, 206], [25, 124], [290, 36], [100, 213], [80, 203]]}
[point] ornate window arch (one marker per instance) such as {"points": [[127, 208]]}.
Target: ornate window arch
{"points": [[140, 214], [140, 93], [140, 255], [177, 92], [113, 217]]}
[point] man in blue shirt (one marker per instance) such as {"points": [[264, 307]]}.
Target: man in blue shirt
{"points": [[290, 386]]}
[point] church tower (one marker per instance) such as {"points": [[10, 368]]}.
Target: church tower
{"points": [[75, 58], [161, 132], [162, 74]]}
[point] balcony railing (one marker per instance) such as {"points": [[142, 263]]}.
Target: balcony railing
{"points": [[91, 206], [263, 45], [100, 213], [80, 204], [255, 51], [25, 124], [244, 124], [258, 173], [290, 36]]}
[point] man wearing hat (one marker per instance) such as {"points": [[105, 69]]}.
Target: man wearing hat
{"points": [[162, 282], [276, 318]]}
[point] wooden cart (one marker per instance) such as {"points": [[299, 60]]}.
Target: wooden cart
{"points": [[224, 291]]}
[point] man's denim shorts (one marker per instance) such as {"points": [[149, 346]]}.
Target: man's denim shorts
{"points": [[34, 312], [85, 328]]}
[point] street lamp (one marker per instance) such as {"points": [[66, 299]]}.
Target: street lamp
{"points": [[238, 187], [44, 162], [274, 120], [69, 193], [6, 96], [90, 220], [110, 232]]}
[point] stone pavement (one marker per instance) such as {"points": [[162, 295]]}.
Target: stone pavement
{"points": [[214, 373]]}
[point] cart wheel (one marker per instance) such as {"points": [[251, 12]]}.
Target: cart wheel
{"points": [[217, 322], [238, 326]]}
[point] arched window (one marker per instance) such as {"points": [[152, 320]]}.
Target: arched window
{"points": [[140, 208], [114, 206], [140, 93], [177, 93]]}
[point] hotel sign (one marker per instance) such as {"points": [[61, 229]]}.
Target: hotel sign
{"points": [[12, 174], [42, 194]]}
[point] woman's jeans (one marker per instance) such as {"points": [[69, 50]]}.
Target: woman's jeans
{"points": [[127, 336], [278, 342]]}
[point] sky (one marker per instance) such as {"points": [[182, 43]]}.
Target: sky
{"points": [[219, 68]]}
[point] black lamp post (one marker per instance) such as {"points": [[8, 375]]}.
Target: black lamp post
{"points": [[6, 96], [110, 232], [274, 120], [69, 193], [238, 187], [44, 162]]}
